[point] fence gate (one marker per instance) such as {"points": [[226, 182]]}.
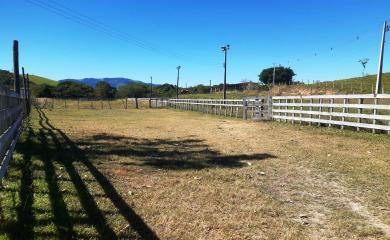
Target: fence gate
{"points": [[257, 108]]}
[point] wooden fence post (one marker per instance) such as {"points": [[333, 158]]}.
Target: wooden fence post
{"points": [[301, 108], [345, 101], [311, 109], [331, 111], [245, 109], [270, 106], [25, 92], [28, 94], [136, 103], [293, 108], [375, 112], [360, 101], [16, 67]]}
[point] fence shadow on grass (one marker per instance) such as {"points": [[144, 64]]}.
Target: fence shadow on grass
{"points": [[36, 178], [181, 154], [21, 229], [69, 153], [51, 148]]}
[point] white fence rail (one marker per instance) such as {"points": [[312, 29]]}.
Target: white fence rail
{"points": [[364, 111], [12, 110], [248, 108]]}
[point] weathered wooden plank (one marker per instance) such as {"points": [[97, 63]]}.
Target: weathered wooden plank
{"points": [[334, 114], [336, 105], [352, 96], [339, 123], [8, 155]]}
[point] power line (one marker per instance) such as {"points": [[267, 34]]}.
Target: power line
{"points": [[333, 48], [82, 19], [95, 25]]}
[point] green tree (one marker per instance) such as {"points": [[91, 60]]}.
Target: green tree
{"points": [[283, 75], [71, 89], [133, 90], [41, 90], [104, 90], [199, 89], [166, 90], [6, 79]]}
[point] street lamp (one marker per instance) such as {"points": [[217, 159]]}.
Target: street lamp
{"points": [[225, 49], [178, 78]]}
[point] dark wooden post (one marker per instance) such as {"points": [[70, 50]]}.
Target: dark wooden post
{"points": [[126, 103], [28, 94], [16, 67], [136, 103], [245, 109], [24, 83], [25, 91]]}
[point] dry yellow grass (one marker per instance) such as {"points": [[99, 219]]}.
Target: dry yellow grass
{"points": [[193, 176]]}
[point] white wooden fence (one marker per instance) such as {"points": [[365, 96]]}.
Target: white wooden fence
{"points": [[249, 108], [365, 111], [12, 111]]}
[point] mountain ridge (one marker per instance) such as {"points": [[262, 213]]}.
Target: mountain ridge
{"points": [[114, 82]]}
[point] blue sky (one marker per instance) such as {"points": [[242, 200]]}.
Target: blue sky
{"points": [[295, 33]]}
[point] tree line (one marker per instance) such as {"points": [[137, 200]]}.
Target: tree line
{"points": [[103, 90]]}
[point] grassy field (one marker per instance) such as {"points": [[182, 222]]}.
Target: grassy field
{"points": [[41, 80], [164, 174], [360, 84]]}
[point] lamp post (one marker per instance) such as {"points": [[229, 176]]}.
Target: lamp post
{"points": [[178, 79], [225, 49]]}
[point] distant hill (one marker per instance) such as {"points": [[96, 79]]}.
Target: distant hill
{"points": [[6, 79], [114, 82], [41, 80], [361, 84]]}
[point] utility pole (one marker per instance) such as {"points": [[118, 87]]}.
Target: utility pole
{"points": [[151, 92], [211, 90], [16, 67], [274, 75], [379, 76], [178, 79], [225, 49]]}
